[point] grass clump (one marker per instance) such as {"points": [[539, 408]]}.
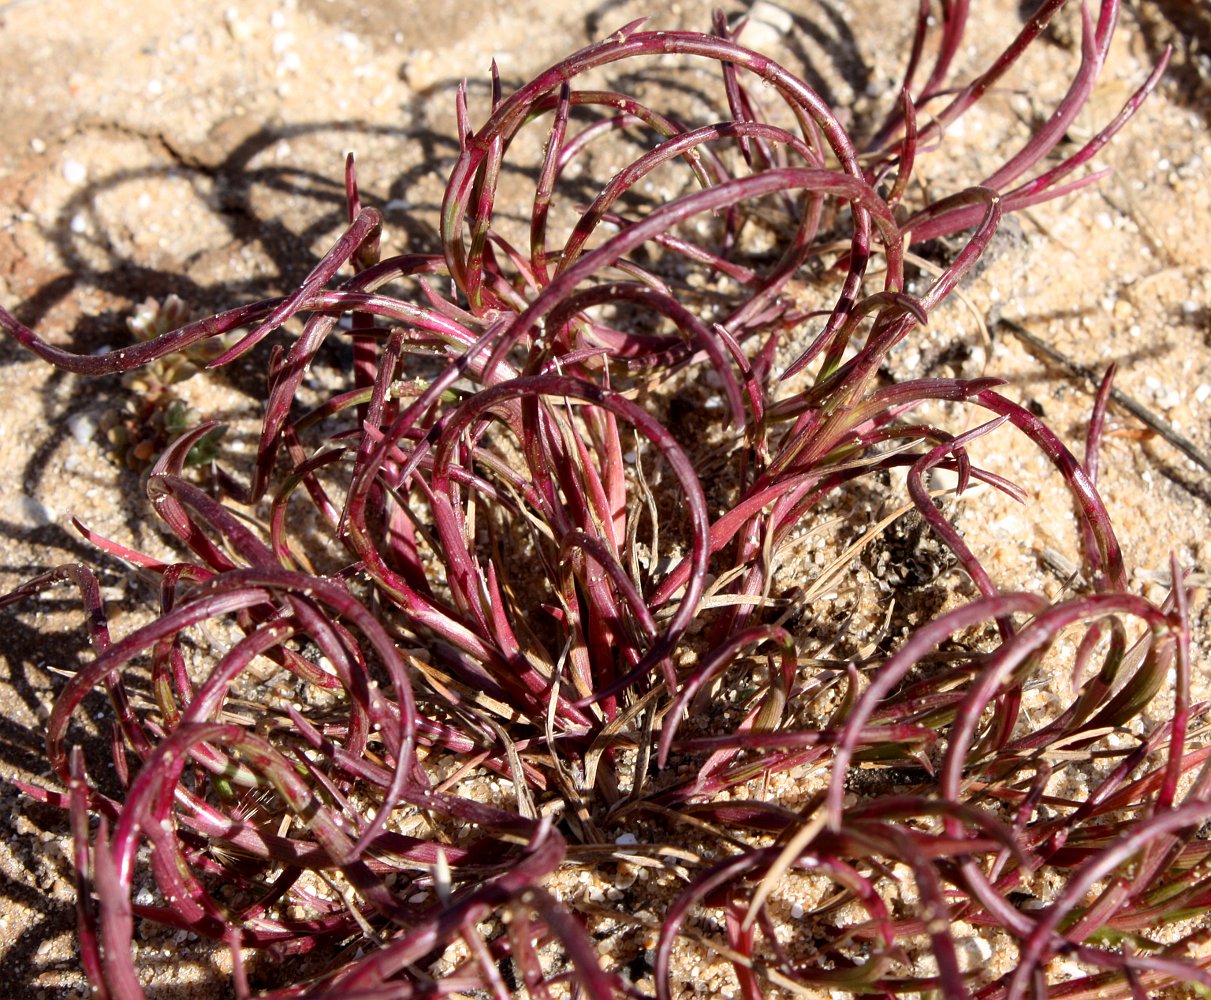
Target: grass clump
{"points": [[548, 624]]}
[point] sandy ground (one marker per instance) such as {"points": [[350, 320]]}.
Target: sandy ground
{"points": [[196, 148]]}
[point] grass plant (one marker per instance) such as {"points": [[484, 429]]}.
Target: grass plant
{"points": [[524, 625]]}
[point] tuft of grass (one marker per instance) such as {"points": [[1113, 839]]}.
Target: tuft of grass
{"points": [[557, 628]]}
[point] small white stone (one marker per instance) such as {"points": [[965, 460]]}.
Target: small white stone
{"points": [[34, 513], [74, 172], [973, 952], [768, 27], [82, 426], [239, 28]]}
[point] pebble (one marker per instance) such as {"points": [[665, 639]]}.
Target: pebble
{"points": [[768, 28], [238, 28], [34, 513], [973, 952], [74, 172]]}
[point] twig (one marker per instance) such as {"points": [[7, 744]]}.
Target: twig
{"points": [[1132, 406]]}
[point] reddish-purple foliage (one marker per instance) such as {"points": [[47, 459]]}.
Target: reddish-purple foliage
{"points": [[516, 553]]}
